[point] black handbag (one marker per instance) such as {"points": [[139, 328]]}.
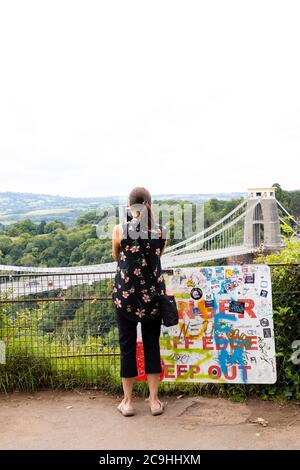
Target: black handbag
{"points": [[168, 309], [166, 303]]}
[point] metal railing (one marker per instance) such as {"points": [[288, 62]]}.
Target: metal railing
{"points": [[67, 324], [65, 321]]}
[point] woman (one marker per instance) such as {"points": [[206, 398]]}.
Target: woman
{"points": [[137, 246]]}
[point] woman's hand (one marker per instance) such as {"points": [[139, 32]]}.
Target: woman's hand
{"points": [[166, 242]]}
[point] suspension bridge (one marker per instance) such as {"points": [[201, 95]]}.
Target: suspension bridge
{"points": [[254, 224]]}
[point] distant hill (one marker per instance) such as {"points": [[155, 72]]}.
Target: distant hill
{"points": [[199, 197], [18, 206]]}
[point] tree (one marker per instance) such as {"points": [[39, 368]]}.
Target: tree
{"points": [[5, 244], [289, 199], [19, 228], [41, 227], [53, 226], [28, 260]]}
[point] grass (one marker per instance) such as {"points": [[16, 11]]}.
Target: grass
{"points": [[26, 372], [35, 360], [38, 361], [46, 212]]}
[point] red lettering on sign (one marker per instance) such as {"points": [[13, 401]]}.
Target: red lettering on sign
{"points": [[181, 370], [231, 376], [245, 369], [208, 343], [214, 372], [249, 306], [221, 343], [253, 343], [206, 312], [224, 307], [186, 309], [176, 341], [194, 370], [181, 305], [188, 342], [169, 371]]}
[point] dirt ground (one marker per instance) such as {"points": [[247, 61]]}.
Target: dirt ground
{"points": [[89, 420]]}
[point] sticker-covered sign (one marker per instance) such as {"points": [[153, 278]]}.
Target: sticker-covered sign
{"points": [[225, 332]]}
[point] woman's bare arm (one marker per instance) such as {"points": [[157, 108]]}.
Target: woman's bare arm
{"points": [[116, 240], [166, 242]]}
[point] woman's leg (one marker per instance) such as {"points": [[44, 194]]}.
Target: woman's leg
{"points": [[127, 383], [153, 383], [151, 334], [128, 371]]}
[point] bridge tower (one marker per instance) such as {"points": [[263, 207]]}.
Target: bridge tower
{"points": [[262, 225]]}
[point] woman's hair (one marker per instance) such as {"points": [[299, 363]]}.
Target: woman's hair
{"points": [[141, 197]]}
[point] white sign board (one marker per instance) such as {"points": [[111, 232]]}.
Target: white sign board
{"points": [[225, 332]]}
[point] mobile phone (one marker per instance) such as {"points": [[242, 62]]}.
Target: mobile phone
{"points": [[128, 214]]}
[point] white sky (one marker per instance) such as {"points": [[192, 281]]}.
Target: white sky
{"points": [[183, 97]]}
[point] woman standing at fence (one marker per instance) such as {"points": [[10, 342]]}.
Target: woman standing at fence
{"points": [[137, 246]]}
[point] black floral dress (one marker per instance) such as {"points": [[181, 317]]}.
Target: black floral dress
{"points": [[139, 275]]}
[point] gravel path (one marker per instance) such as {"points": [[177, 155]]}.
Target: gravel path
{"points": [[89, 420]]}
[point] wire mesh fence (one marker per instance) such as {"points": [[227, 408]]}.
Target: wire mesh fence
{"points": [[65, 323]]}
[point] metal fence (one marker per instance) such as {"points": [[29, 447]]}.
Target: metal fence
{"points": [[66, 322]]}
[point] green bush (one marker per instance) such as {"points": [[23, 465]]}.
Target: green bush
{"points": [[63, 359], [27, 372]]}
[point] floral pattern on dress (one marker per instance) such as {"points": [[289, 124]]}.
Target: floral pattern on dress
{"points": [[136, 284]]}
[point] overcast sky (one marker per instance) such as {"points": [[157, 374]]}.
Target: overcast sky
{"points": [[179, 96]]}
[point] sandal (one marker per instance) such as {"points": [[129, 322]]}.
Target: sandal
{"points": [[158, 411], [122, 410]]}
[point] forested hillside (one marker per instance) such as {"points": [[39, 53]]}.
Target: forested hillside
{"points": [[289, 199], [52, 244], [15, 207]]}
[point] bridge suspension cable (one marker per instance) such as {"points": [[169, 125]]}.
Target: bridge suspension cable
{"points": [[225, 234], [203, 232], [288, 214]]}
